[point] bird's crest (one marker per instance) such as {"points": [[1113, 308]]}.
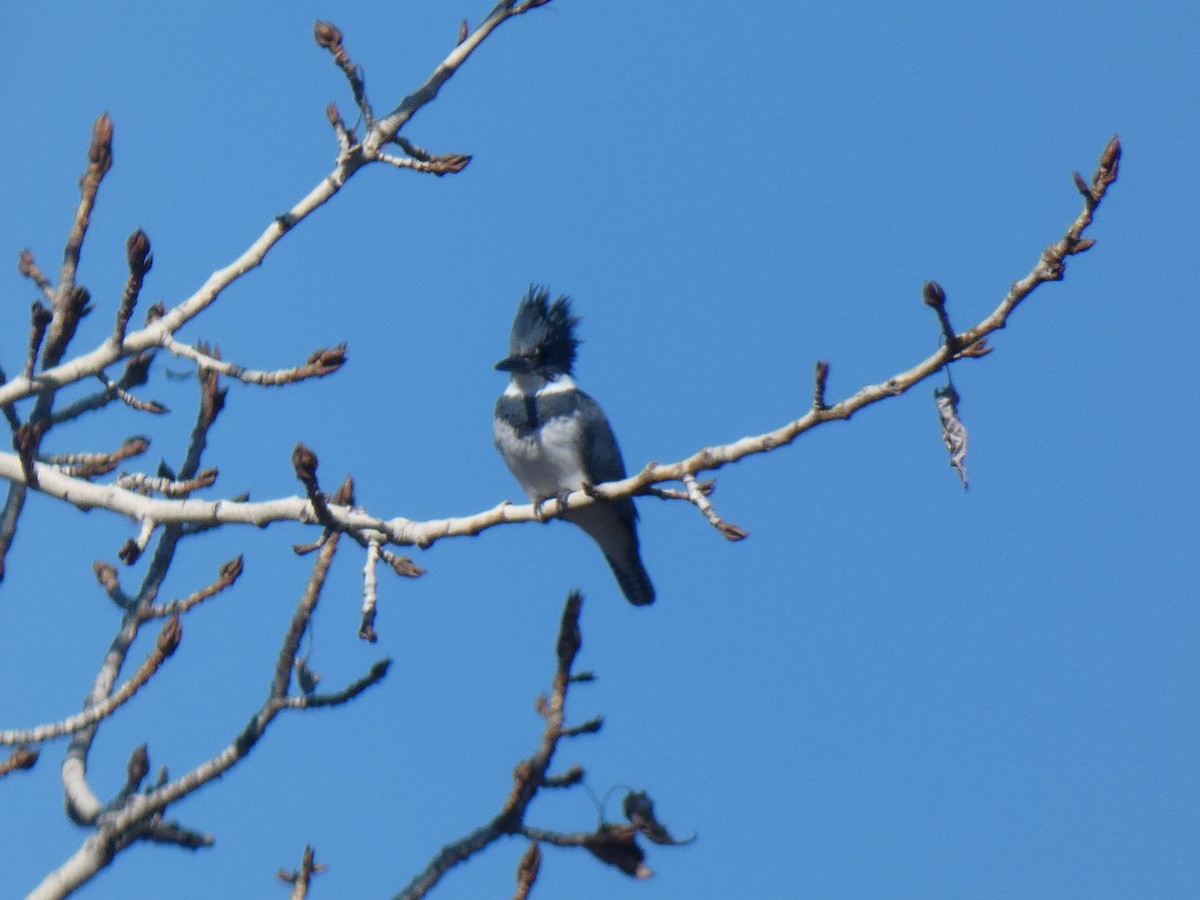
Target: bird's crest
{"points": [[544, 331]]}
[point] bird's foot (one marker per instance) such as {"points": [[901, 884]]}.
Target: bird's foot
{"points": [[541, 508]]}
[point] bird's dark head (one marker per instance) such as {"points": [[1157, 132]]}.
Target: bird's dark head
{"points": [[543, 338]]}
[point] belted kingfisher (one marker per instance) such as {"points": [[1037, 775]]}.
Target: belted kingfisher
{"points": [[556, 439]]}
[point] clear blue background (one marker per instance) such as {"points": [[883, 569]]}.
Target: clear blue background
{"points": [[893, 688]]}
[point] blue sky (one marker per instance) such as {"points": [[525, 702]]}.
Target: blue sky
{"points": [[892, 688]]}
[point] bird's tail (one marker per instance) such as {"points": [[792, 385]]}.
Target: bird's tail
{"points": [[633, 579], [614, 527]]}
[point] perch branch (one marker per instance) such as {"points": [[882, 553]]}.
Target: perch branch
{"points": [[407, 532]]}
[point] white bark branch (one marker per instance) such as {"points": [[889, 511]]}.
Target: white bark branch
{"points": [[407, 532]]}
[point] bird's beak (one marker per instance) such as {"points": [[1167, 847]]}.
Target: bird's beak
{"points": [[513, 364]]}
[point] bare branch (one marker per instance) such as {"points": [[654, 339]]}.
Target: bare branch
{"points": [[228, 574], [136, 373], [406, 532], [107, 576], [136, 817], [385, 130], [99, 162], [351, 158], [168, 640], [329, 36], [528, 776], [700, 498], [301, 879], [320, 363], [438, 165], [89, 465], [366, 630]]}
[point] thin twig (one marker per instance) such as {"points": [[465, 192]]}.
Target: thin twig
{"points": [[168, 640]]}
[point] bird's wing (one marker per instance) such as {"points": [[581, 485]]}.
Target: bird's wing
{"points": [[603, 459]]}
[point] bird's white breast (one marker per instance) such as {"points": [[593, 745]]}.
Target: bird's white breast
{"points": [[548, 460]]}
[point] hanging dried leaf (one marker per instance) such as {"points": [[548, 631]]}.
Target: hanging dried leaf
{"points": [[954, 432]]}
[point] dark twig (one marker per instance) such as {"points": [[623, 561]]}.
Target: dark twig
{"points": [[820, 379], [39, 320], [329, 36], [528, 776], [10, 514], [226, 576], [301, 879], [136, 373], [140, 259], [137, 816], [29, 268]]}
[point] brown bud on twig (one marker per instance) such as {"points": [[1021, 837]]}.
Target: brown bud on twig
{"points": [[26, 440], [935, 295], [25, 263], [404, 566], [344, 495], [231, 570], [463, 31], [28, 268], [100, 151], [569, 637], [1110, 158], [20, 758], [732, 532], [39, 318], [39, 315], [170, 636], [138, 766], [133, 446], [156, 312], [327, 35], [80, 301], [137, 252], [328, 359], [527, 870], [305, 463], [106, 574]]}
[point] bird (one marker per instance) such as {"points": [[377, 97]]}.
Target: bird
{"points": [[556, 439]]}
